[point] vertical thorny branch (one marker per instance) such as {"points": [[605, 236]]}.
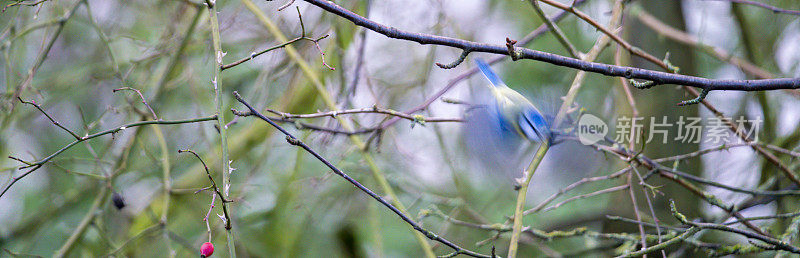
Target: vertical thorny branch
{"points": [[216, 82], [164, 73]]}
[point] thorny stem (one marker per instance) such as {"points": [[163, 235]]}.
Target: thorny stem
{"points": [[223, 131]]}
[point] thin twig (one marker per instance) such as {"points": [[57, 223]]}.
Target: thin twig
{"points": [[208, 214], [647, 198], [38, 164], [721, 54], [636, 211], [727, 147], [50, 118], [22, 2], [290, 118], [665, 244], [584, 196], [726, 187], [556, 30], [776, 216], [216, 190], [374, 109], [573, 186], [763, 5], [292, 41], [632, 49], [455, 63], [138, 236], [766, 239], [140, 96], [641, 223], [350, 91], [307, 126], [43, 54], [255, 54], [286, 5]]}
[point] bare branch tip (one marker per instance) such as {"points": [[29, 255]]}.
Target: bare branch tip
{"points": [[512, 52], [696, 100], [286, 5], [455, 63]]}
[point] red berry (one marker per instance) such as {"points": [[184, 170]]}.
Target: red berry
{"points": [[207, 249]]}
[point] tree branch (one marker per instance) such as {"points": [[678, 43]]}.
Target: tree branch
{"points": [[659, 78]]}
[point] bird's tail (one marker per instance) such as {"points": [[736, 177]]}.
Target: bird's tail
{"points": [[490, 75]]}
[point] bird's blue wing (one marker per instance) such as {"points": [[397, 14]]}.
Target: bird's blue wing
{"points": [[534, 125], [490, 75]]}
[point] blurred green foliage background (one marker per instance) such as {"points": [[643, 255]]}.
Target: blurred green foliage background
{"points": [[285, 202]]}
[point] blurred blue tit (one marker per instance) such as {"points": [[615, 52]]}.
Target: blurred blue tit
{"points": [[502, 127], [513, 113]]}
